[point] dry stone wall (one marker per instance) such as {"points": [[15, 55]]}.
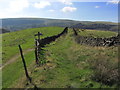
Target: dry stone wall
{"points": [[89, 40], [48, 40]]}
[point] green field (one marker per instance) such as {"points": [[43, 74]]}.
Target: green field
{"points": [[25, 38], [97, 33], [69, 65]]}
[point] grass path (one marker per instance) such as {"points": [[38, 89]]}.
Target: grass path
{"points": [[64, 70], [15, 57]]}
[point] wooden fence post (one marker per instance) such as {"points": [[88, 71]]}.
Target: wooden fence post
{"points": [[37, 47], [39, 37], [39, 44], [36, 54], [75, 32], [24, 63]]}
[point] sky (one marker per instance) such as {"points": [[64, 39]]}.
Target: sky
{"points": [[81, 10]]}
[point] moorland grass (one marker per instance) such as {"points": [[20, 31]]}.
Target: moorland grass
{"points": [[68, 64]]}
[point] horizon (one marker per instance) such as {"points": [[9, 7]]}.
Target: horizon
{"points": [[57, 19], [79, 11]]}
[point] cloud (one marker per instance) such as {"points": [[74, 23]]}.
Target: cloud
{"points": [[18, 5], [66, 2], [69, 9], [97, 6], [113, 2], [13, 8], [13, 5], [42, 4], [51, 10]]}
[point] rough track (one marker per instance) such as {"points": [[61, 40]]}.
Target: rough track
{"points": [[15, 57]]}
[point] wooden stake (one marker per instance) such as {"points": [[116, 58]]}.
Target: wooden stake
{"points": [[38, 36], [37, 47], [24, 63], [36, 54]]}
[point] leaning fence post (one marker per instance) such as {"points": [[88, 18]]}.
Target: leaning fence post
{"points": [[23, 60], [75, 32]]}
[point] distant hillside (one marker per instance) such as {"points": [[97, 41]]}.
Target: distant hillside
{"points": [[97, 26], [14, 24]]}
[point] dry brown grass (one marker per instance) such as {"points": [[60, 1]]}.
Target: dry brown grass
{"points": [[105, 70]]}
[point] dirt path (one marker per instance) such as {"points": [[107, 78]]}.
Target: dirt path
{"points": [[14, 58]]}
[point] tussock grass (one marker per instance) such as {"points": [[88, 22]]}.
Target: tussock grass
{"points": [[105, 70]]}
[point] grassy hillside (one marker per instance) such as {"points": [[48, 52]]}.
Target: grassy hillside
{"points": [[14, 24], [97, 33], [25, 38], [69, 65], [10, 49], [97, 26]]}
